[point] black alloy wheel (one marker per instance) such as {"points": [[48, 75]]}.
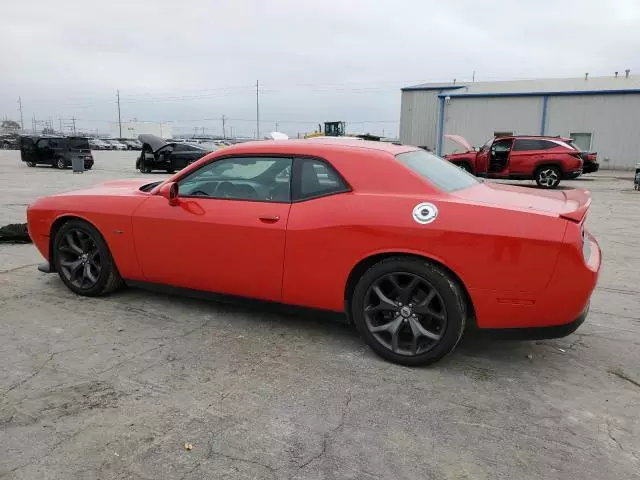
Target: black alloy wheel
{"points": [[409, 311], [83, 261], [61, 164]]}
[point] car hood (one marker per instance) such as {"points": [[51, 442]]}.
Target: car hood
{"points": [[156, 143], [571, 204], [112, 187], [460, 140]]}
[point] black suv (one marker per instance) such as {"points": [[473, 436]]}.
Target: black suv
{"points": [[55, 151]]}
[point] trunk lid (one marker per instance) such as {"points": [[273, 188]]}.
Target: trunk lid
{"points": [[569, 204]]}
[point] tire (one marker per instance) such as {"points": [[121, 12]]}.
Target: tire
{"points": [[60, 164], [548, 176], [436, 293], [31, 164], [78, 241], [171, 171]]}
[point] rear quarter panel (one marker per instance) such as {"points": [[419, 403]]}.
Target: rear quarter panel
{"points": [[494, 251], [111, 215]]}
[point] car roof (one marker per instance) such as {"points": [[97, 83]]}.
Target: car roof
{"points": [[316, 146], [543, 137]]}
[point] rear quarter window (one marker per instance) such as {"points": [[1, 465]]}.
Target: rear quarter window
{"points": [[443, 174]]}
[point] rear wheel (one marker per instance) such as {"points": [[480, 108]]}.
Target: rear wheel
{"points": [[409, 311], [31, 164], [83, 261], [548, 176], [61, 164]]}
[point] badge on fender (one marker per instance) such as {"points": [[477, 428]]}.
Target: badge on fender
{"points": [[425, 213]]}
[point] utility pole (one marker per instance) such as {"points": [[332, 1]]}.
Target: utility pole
{"points": [[119, 119], [203, 131], [20, 108], [224, 132], [73, 119], [277, 126], [257, 111], [60, 121], [231, 132]]}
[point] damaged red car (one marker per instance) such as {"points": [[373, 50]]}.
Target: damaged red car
{"points": [[547, 160], [412, 249]]}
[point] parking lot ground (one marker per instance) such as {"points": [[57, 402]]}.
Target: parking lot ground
{"points": [[113, 387]]}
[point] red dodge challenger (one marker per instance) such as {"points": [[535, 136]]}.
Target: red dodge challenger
{"points": [[412, 248]]}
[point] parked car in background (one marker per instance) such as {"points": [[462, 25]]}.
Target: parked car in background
{"points": [[98, 144], [116, 144], [55, 151], [547, 160], [411, 249], [132, 144], [9, 142], [589, 159], [157, 154]]}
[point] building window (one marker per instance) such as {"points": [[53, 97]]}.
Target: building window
{"points": [[582, 141], [502, 134]]}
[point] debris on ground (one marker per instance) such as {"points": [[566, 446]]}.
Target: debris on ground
{"points": [[14, 233]]}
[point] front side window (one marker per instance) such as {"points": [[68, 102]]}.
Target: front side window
{"points": [[259, 179], [442, 174], [315, 178]]}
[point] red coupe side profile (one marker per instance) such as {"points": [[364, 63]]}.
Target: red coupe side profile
{"points": [[410, 247]]}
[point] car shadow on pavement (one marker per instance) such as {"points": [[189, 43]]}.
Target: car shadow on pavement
{"points": [[332, 326]]}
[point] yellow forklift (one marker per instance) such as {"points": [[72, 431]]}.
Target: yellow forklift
{"points": [[338, 129]]}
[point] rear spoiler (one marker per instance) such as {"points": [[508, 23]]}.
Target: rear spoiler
{"points": [[578, 203]]}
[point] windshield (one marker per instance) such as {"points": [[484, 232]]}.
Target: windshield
{"points": [[441, 173]]}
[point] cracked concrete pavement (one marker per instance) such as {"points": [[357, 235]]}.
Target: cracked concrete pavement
{"points": [[113, 387]]}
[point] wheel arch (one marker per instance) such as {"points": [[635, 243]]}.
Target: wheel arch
{"points": [[549, 163], [57, 224], [364, 264]]}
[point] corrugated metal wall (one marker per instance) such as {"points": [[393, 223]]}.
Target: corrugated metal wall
{"points": [[419, 118], [477, 119], [612, 120]]}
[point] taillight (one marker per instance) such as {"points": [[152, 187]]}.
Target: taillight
{"points": [[586, 246]]}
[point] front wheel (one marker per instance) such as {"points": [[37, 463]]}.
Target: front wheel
{"points": [[61, 164], [548, 177], [83, 261], [31, 164], [409, 311]]}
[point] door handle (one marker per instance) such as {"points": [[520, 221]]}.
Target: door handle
{"points": [[269, 219]]}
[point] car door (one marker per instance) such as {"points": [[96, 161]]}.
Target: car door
{"points": [[227, 232], [482, 159]]}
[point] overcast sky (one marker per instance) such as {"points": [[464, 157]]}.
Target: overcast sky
{"points": [[191, 62]]}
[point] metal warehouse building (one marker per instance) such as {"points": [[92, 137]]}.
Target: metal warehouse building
{"points": [[602, 114]]}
